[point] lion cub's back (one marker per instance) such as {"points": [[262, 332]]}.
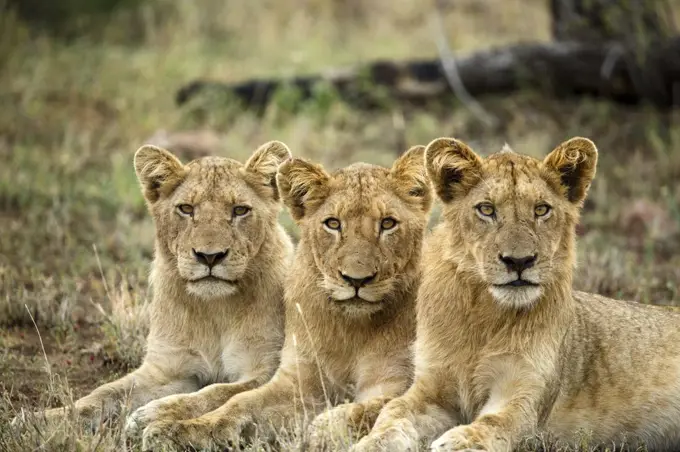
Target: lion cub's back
{"points": [[621, 372]]}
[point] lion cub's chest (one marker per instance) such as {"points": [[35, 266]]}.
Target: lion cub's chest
{"points": [[340, 361], [224, 360], [235, 360], [488, 381]]}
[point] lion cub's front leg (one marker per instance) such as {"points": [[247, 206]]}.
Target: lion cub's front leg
{"points": [[221, 427], [186, 406], [344, 424], [132, 390], [267, 408], [509, 414], [407, 420], [499, 432], [480, 435], [347, 423]]}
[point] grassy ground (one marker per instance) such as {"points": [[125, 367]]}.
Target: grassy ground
{"points": [[76, 241]]}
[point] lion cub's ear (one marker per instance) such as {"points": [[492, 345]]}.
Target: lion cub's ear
{"points": [[158, 171], [265, 161], [303, 186], [575, 161], [410, 177], [453, 167]]}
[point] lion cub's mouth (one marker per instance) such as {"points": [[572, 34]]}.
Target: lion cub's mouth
{"points": [[354, 300], [213, 278], [517, 283]]}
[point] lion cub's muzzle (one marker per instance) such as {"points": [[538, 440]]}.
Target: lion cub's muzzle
{"points": [[358, 282], [210, 273], [209, 259], [519, 285], [357, 287], [212, 265], [517, 268]]}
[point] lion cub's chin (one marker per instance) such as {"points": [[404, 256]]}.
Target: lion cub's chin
{"points": [[516, 297], [211, 288], [356, 307]]}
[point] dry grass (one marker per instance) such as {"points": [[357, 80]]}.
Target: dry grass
{"points": [[76, 240]]}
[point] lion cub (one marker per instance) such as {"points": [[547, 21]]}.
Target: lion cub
{"points": [[505, 348], [350, 306], [217, 277]]}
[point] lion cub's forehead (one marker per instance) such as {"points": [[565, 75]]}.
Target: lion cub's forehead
{"points": [[213, 165], [362, 189], [362, 177], [507, 163], [213, 178], [509, 175]]}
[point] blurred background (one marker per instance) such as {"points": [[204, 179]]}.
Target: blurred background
{"points": [[84, 83]]}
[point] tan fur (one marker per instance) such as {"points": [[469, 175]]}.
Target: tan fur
{"points": [[204, 332], [341, 343], [496, 363]]}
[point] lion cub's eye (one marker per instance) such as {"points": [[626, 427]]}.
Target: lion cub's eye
{"points": [[388, 223], [186, 209], [239, 211], [542, 210], [332, 223], [486, 209]]}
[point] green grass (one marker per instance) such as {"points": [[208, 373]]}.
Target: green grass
{"points": [[76, 241]]}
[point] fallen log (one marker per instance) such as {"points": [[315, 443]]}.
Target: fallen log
{"points": [[635, 22], [564, 68]]}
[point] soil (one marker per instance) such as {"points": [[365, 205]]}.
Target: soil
{"points": [[72, 355]]}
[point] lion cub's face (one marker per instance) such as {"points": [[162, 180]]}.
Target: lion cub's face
{"points": [[514, 215], [212, 214], [363, 224]]}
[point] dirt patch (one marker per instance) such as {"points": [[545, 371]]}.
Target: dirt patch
{"points": [[74, 358]]}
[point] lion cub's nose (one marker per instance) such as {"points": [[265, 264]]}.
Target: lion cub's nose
{"points": [[518, 264], [210, 259], [358, 282]]}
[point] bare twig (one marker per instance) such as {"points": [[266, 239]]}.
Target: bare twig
{"points": [[613, 55], [448, 63], [101, 272], [316, 356], [48, 367], [297, 364]]}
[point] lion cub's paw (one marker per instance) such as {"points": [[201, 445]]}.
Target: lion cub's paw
{"points": [[398, 438], [87, 419], [171, 408], [334, 428], [24, 418], [142, 417], [20, 420], [200, 433], [50, 416], [458, 439], [156, 437], [172, 435]]}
